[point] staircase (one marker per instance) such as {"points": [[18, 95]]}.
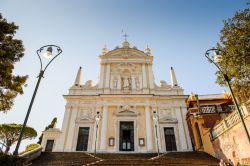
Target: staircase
{"points": [[64, 159], [127, 159], [188, 159], [109, 159]]}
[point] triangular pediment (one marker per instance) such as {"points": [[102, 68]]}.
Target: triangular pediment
{"points": [[126, 111], [84, 119], [125, 52], [168, 119]]}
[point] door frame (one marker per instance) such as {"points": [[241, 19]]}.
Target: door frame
{"points": [[133, 130], [76, 132], [162, 136], [117, 133], [172, 129]]}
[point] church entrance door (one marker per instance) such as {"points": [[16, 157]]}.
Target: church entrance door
{"points": [[126, 136], [83, 137], [170, 139]]}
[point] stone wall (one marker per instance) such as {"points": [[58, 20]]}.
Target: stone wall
{"points": [[233, 144]]}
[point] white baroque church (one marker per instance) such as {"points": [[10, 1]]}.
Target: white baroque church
{"points": [[126, 111]]}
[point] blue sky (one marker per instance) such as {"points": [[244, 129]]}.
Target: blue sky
{"points": [[177, 31]]}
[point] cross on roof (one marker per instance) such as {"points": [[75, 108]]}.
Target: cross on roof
{"points": [[125, 36]]}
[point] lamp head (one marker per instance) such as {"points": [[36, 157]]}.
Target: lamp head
{"points": [[155, 118], [97, 117], [217, 56], [48, 53]]}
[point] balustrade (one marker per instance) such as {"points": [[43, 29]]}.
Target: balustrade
{"points": [[226, 123]]}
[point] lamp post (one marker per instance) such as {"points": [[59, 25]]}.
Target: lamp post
{"points": [[155, 118], [48, 54], [216, 59], [97, 120]]}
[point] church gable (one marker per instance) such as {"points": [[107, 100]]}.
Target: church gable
{"points": [[125, 52], [126, 70]]}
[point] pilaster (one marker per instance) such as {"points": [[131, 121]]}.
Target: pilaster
{"points": [[151, 77], [182, 136], [71, 128], [133, 82], [100, 85], [107, 80], [103, 144], [148, 129], [144, 77], [65, 127]]}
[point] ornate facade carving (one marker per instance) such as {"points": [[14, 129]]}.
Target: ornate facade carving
{"points": [[125, 93], [126, 110]]}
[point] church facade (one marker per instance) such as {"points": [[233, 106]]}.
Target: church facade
{"points": [[126, 111]]}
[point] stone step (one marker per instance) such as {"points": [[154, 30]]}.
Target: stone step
{"points": [[128, 159]]}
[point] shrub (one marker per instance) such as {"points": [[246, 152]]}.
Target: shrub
{"points": [[29, 148], [10, 160]]}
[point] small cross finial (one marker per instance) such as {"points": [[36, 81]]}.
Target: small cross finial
{"points": [[125, 35]]}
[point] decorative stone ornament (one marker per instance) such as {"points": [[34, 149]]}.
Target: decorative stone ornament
{"points": [[104, 50], [126, 96], [147, 50]]}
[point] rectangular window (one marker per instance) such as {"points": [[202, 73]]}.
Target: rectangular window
{"points": [[49, 146]]}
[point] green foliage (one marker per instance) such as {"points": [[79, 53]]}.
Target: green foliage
{"points": [[235, 46], [51, 125], [9, 134], [29, 148], [11, 51], [10, 160]]}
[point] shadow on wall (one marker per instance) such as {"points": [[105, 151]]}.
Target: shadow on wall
{"points": [[233, 144], [218, 151]]}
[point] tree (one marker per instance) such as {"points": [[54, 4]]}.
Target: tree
{"points": [[11, 51], [9, 134], [235, 46], [29, 148], [51, 125]]}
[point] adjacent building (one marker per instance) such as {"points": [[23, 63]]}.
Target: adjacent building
{"points": [[215, 127], [204, 112]]}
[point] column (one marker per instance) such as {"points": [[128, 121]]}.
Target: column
{"points": [[144, 77], [107, 76], [119, 86], [65, 125], [94, 138], [148, 129], [103, 137], [133, 82], [183, 112], [182, 137], [151, 78], [101, 77], [71, 128]]}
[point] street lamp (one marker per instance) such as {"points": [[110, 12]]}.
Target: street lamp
{"points": [[216, 59], [155, 118], [97, 120], [47, 52]]}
